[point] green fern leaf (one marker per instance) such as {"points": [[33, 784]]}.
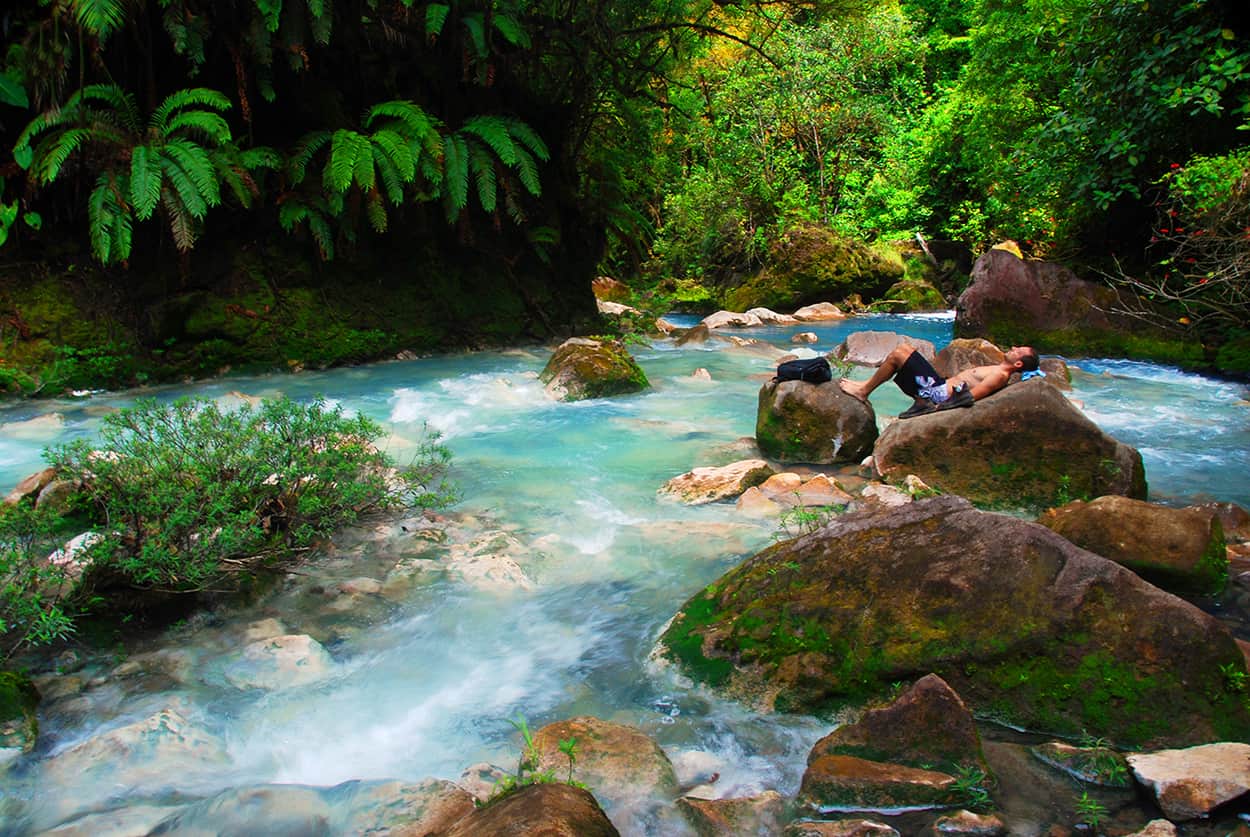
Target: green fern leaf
{"points": [[208, 125], [271, 13], [291, 212], [181, 222], [397, 151], [260, 157], [52, 153], [455, 176], [145, 181], [494, 131], [100, 17], [362, 172], [199, 97], [341, 164], [194, 160], [12, 92], [308, 146], [511, 29], [392, 182], [526, 136], [237, 178], [100, 218], [435, 17], [182, 187], [473, 24], [417, 123], [322, 20], [527, 171], [482, 165], [375, 210], [323, 235]]}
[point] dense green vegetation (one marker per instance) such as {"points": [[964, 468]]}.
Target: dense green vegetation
{"points": [[183, 498], [255, 147]]}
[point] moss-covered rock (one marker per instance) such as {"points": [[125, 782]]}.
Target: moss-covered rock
{"points": [[1023, 447], [19, 724], [819, 423], [910, 295], [1025, 626], [1179, 549], [1041, 304], [810, 263], [582, 368]]}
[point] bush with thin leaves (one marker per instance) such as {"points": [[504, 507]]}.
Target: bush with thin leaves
{"points": [[31, 586], [188, 495]]}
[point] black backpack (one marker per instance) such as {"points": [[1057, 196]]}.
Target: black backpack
{"points": [[812, 370]]}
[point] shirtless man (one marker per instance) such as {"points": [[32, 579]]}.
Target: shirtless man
{"points": [[916, 377]]}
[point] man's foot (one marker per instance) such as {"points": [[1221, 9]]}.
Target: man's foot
{"points": [[855, 388]]}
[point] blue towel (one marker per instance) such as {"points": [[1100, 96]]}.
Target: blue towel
{"points": [[1036, 373]]}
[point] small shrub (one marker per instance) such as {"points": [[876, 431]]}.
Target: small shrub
{"points": [[802, 520], [31, 587], [187, 495]]}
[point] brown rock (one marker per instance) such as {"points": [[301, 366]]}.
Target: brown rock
{"points": [[819, 312], [731, 319], [1233, 518], [1158, 828], [696, 335], [964, 353], [30, 486], [761, 814], [1021, 447], [849, 783], [544, 810], [969, 824], [620, 762], [838, 828], [708, 485], [607, 288], [1178, 549], [928, 725]]}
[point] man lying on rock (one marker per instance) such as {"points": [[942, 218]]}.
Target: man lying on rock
{"points": [[916, 376]]}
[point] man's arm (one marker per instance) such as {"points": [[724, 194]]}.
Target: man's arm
{"points": [[990, 384]]}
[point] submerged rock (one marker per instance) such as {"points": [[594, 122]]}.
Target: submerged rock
{"points": [[279, 662], [1027, 627], [1178, 549], [582, 368], [1024, 446], [970, 824], [818, 423], [839, 828], [1096, 765]]}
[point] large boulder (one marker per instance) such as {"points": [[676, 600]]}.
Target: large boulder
{"points": [[620, 762], [1026, 626], [817, 423], [1025, 446], [1190, 783], [810, 263], [1178, 549], [552, 810], [1045, 305], [731, 319], [582, 368], [870, 348], [911, 295], [964, 353]]}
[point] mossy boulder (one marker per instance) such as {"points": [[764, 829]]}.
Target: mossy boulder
{"points": [[19, 724], [810, 263], [554, 809], [1178, 549], [1027, 627], [582, 368], [909, 295], [1026, 446], [817, 423], [1042, 304]]}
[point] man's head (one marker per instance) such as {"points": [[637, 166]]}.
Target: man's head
{"points": [[1023, 358]]}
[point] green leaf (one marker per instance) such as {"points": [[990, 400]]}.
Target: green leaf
{"points": [[375, 210], [145, 182], [307, 146], [473, 24], [194, 160], [271, 11], [33, 220], [455, 176], [511, 29], [12, 92], [494, 131], [340, 168], [525, 134], [185, 98], [184, 193], [483, 167], [54, 151], [435, 17], [100, 17]]}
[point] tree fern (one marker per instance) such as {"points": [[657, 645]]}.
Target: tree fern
{"points": [[493, 130], [455, 176], [435, 18], [100, 17], [482, 165], [145, 182]]}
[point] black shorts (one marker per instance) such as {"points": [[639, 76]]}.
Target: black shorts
{"points": [[919, 379]]}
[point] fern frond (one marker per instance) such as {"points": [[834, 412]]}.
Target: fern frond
{"points": [[455, 176], [494, 131], [120, 102], [392, 181], [307, 146], [181, 222], [362, 172], [260, 157], [397, 151], [474, 23], [511, 29], [239, 180], [194, 160], [345, 149], [512, 206], [100, 218], [528, 138], [375, 211], [52, 153], [435, 17], [100, 17], [291, 212], [199, 97], [145, 181], [323, 235], [34, 127], [482, 165], [183, 188], [271, 13], [417, 123], [322, 20], [209, 125], [527, 172]]}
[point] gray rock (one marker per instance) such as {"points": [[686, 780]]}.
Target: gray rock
{"points": [[870, 348]]}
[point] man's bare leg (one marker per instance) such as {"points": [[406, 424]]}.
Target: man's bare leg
{"points": [[887, 370]]}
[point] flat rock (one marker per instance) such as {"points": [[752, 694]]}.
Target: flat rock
{"points": [[970, 824], [711, 484], [1190, 783], [761, 814], [839, 828], [847, 783], [819, 312]]}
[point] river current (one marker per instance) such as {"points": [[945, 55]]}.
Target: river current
{"points": [[427, 676]]}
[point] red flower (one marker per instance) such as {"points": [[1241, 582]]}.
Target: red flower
{"points": [[1176, 165]]}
